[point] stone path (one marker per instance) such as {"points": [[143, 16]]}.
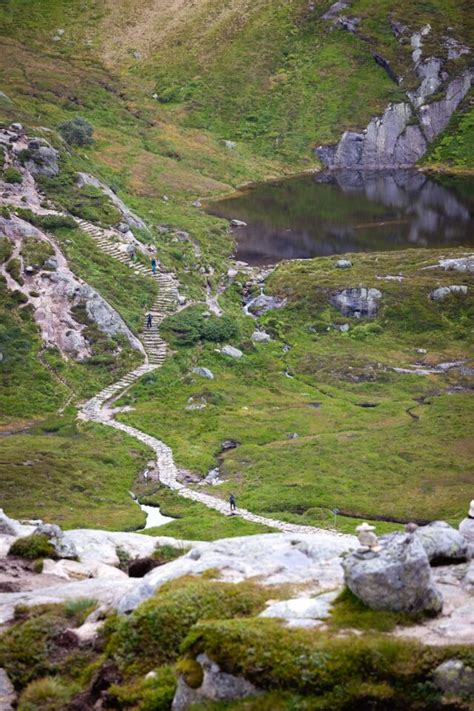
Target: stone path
{"points": [[96, 408]]}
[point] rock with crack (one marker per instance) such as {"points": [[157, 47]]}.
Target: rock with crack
{"points": [[358, 302], [442, 542], [215, 685], [397, 578]]}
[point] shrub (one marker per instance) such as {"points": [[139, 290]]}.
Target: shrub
{"points": [[153, 633], [165, 554], [190, 326], [76, 131], [32, 547], [12, 175], [14, 269], [48, 694], [5, 212], [47, 222], [154, 694], [80, 607]]}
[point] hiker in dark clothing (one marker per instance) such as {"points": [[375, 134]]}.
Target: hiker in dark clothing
{"points": [[232, 503], [153, 265], [149, 321]]}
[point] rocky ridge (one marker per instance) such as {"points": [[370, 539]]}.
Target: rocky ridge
{"points": [[401, 136]]}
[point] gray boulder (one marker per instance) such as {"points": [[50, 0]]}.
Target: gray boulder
{"points": [[454, 678], [10, 527], [359, 302], [260, 337], [462, 264], [442, 542], [397, 578], [443, 291], [434, 117], [343, 264], [204, 373], [43, 158], [232, 352], [51, 263], [64, 548], [263, 303], [216, 686]]}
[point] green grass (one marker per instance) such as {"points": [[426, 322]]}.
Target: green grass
{"points": [[358, 460], [76, 475]]}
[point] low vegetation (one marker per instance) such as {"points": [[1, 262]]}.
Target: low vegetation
{"points": [[33, 547]]}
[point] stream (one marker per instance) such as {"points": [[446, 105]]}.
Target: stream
{"points": [[154, 517], [348, 211]]}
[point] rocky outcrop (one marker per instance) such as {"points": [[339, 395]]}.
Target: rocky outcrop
{"points": [[442, 542], [43, 158], [359, 302], [397, 577], [56, 293], [7, 692], [63, 547], [216, 686], [400, 137], [129, 217]]}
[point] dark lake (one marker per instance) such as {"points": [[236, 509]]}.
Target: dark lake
{"points": [[349, 211]]}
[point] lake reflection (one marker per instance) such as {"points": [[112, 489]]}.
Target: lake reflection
{"points": [[349, 211]]}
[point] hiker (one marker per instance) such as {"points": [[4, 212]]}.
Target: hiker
{"points": [[153, 265], [131, 251], [149, 321], [232, 503]]}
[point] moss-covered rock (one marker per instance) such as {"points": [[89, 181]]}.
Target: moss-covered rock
{"points": [[33, 547]]}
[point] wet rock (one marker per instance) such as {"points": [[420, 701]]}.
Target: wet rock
{"points": [[343, 264], [204, 373], [7, 692], [357, 302], [385, 64], [261, 337], [238, 223], [263, 303], [441, 542], [443, 291], [454, 678], [216, 686], [228, 444], [398, 578], [232, 352]]}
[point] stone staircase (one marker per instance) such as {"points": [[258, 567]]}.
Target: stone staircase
{"points": [[108, 243]]}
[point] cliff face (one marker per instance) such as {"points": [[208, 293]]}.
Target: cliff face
{"points": [[401, 136]]}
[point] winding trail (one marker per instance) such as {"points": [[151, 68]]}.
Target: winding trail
{"points": [[97, 408]]}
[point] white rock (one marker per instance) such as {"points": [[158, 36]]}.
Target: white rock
{"points": [[204, 373], [238, 223], [443, 291], [343, 264], [260, 337], [232, 352], [302, 608]]}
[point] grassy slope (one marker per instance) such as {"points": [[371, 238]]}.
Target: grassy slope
{"points": [[273, 78], [357, 459]]}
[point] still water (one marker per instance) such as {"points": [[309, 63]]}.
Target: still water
{"points": [[349, 211]]}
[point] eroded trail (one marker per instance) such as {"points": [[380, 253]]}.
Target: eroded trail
{"points": [[97, 410]]}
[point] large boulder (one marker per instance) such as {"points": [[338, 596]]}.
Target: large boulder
{"points": [[216, 686], [359, 302], [396, 578], [442, 543]]}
